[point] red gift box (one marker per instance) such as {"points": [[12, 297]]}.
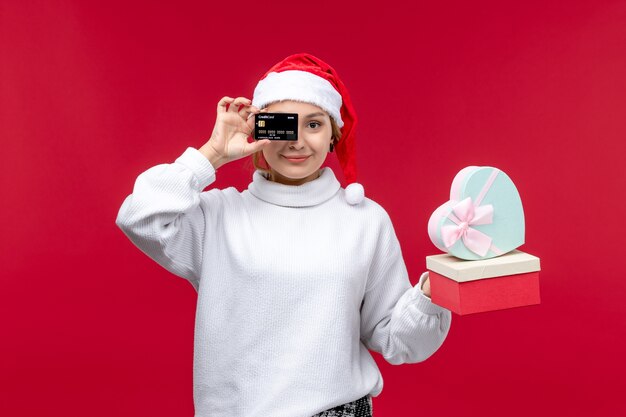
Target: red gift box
{"points": [[466, 287]]}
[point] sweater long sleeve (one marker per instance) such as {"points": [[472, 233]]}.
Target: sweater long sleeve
{"points": [[294, 286], [164, 218], [397, 319]]}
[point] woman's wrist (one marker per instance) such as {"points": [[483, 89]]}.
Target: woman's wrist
{"points": [[214, 158]]}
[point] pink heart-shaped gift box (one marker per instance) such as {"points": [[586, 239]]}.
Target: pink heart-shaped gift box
{"points": [[484, 217]]}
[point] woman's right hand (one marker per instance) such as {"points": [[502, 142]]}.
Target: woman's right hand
{"points": [[233, 127]]}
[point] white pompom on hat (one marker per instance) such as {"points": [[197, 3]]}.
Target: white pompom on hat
{"points": [[306, 78]]}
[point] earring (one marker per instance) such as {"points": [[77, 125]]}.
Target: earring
{"points": [[332, 146]]}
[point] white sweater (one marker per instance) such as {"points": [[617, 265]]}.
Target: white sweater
{"points": [[294, 286]]}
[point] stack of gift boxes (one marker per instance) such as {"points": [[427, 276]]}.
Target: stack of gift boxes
{"points": [[480, 228]]}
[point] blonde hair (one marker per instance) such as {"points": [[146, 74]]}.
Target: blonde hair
{"points": [[261, 164]]}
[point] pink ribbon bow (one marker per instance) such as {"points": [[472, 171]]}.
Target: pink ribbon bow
{"points": [[468, 214]]}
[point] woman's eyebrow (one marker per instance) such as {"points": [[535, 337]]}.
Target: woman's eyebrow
{"points": [[314, 115]]}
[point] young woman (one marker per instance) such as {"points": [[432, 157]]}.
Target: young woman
{"points": [[297, 277]]}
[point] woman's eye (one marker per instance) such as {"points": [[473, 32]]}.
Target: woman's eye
{"points": [[313, 125]]}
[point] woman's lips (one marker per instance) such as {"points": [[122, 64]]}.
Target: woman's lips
{"points": [[295, 159]]}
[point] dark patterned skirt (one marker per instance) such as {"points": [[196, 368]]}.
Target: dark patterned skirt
{"points": [[359, 408]]}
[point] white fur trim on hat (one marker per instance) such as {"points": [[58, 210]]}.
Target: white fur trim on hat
{"points": [[299, 86], [355, 193]]}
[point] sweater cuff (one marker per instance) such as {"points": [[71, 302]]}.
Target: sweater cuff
{"points": [[199, 165], [422, 302]]}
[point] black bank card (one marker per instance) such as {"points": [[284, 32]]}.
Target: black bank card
{"points": [[276, 126]]}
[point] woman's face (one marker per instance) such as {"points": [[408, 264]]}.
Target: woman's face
{"points": [[297, 162]]}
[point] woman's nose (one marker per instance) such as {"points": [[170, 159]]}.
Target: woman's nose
{"points": [[298, 144]]}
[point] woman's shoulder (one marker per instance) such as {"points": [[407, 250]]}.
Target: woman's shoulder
{"points": [[221, 196], [366, 207]]}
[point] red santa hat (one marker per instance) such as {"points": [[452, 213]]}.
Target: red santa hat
{"points": [[306, 78]]}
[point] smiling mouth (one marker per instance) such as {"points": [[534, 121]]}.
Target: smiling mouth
{"points": [[295, 158]]}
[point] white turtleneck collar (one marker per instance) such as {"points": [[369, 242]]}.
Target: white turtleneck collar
{"points": [[308, 194]]}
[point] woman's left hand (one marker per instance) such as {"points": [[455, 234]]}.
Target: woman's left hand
{"points": [[426, 287]]}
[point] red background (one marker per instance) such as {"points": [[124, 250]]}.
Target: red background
{"points": [[92, 95]]}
